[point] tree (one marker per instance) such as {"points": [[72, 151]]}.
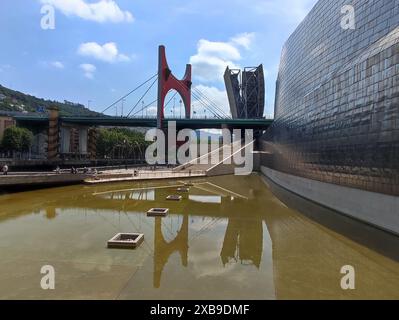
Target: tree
{"points": [[26, 139], [17, 139], [121, 143]]}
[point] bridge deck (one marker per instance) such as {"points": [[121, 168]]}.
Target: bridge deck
{"points": [[151, 122]]}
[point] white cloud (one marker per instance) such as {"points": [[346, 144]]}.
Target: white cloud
{"points": [[212, 58], [209, 69], [209, 65], [88, 70], [107, 52], [223, 50], [100, 11], [57, 65], [244, 39]]}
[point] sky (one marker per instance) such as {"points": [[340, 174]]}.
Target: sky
{"points": [[98, 50]]}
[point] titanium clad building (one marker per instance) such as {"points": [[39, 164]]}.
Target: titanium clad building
{"points": [[335, 138], [246, 92]]}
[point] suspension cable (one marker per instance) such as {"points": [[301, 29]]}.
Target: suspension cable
{"points": [[202, 102], [142, 97], [142, 109], [151, 103], [208, 101], [211, 102], [196, 93], [207, 106], [126, 95], [170, 100]]}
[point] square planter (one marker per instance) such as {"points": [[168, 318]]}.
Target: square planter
{"points": [[126, 241], [174, 198], [183, 189], [157, 212]]}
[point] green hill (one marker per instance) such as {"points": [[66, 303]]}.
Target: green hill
{"points": [[11, 100]]}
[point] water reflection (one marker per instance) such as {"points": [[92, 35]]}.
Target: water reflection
{"points": [[243, 239], [243, 242], [141, 195], [228, 238], [163, 249], [205, 199], [51, 213]]}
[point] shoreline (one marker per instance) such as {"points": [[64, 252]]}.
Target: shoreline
{"points": [[21, 181]]}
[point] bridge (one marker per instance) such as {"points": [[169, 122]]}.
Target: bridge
{"points": [[194, 124], [66, 135]]}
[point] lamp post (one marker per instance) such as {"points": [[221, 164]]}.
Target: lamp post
{"points": [[124, 149], [174, 107]]}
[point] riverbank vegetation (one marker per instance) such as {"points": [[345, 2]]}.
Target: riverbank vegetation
{"points": [[16, 139], [121, 143]]}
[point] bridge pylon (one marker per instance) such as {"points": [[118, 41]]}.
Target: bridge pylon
{"points": [[167, 81], [163, 249]]}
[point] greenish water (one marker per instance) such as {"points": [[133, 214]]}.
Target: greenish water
{"points": [[229, 238]]}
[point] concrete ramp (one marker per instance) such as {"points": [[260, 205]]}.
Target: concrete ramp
{"points": [[217, 162], [227, 166]]}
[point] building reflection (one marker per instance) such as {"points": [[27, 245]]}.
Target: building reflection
{"points": [[305, 259], [243, 242], [243, 238], [302, 253]]}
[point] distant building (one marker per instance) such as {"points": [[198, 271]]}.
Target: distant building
{"points": [[5, 122], [2, 97], [246, 92], [40, 109]]}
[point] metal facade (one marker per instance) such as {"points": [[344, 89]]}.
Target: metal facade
{"points": [[337, 98]]}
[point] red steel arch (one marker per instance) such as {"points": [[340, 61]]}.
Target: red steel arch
{"points": [[167, 81]]}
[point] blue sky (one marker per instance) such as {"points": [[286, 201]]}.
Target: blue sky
{"points": [[101, 49]]}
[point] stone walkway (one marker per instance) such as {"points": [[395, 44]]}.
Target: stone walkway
{"points": [[139, 175]]}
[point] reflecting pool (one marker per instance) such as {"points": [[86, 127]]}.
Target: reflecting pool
{"points": [[229, 238]]}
